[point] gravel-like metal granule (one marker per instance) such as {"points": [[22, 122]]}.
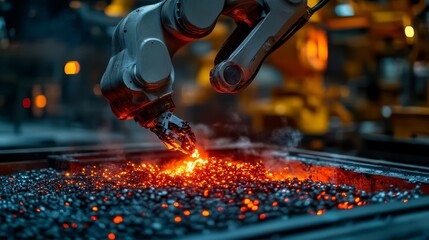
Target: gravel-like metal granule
{"points": [[128, 201]]}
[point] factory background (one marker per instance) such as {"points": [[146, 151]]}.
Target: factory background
{"points": [[354, 80]]}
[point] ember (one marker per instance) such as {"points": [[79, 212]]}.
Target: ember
{"points": [[144, 200]]}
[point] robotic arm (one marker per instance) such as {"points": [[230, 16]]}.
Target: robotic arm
{"points": [[139, 77]]}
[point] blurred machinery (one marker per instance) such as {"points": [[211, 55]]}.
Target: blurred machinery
{"points": [[353, 62], [357, 71]]}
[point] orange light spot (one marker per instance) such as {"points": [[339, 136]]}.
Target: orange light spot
{"points": [[205, 213], [118, 219], [66, 204], [111, 236], [241, 216], [243, 209], [40, 101], [95, 208], [186, 212], [220, 209], [72, 68], [319, 212], [274, 204], [21, 203], [74, 225], [256, 202], [176, 204], [94, 218], [37, 209], [246, 201], [255, 208], [164, 205], [177, 219], [65, 225], [357, 199], [345, 205], [405, 200], [206, 193], [262, 216]]}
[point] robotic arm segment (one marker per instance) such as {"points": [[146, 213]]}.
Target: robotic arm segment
{"points": [[139, 77], [236, 71], [175, 133]]}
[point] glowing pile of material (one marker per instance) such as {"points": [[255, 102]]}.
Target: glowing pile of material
{"points": [[143, 200], [193, 172]]}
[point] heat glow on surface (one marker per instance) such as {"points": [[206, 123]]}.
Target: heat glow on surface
{"points": [[168, 200], [194, 171]]}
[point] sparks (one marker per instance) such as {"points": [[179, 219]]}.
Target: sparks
{"points": [[194, 171]]}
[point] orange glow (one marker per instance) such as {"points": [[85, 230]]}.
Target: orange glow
{"points": [[118, 219], [65, 225], [75, 4], [111, 236], [40, 101], [205, 175], [37, 209], [72, 68], [405, 200], [345, 205], [205, 213], [195, 154], [206, 193], [177, 219], [320, 212], [315, 50]]}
